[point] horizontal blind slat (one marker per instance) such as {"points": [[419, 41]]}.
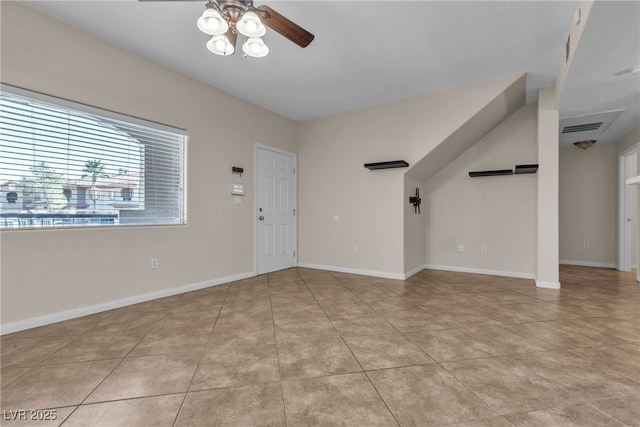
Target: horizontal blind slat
{"points": [[46, 147]]}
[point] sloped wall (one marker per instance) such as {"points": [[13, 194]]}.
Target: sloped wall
{"points": [[342, 204], [496, 212]]}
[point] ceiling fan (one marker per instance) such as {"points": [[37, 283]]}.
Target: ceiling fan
{"points": [[224, 19]]}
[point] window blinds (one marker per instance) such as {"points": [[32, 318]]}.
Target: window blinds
{"points": [[64, 164]]}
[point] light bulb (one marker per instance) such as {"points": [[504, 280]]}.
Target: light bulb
{"points": [[211, 22], [250, 25], [221, 45], [254, 46]]}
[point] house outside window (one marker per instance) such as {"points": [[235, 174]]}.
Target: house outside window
{"points": [[12, 197], [74, 165], [127, 194]]}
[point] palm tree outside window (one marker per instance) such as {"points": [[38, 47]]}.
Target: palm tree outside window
{"points": [[94, 169]]}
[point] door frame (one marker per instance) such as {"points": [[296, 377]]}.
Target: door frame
{"points": [[625, 240], [257, 147]]}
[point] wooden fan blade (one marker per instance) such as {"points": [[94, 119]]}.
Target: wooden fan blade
{"points": [[144, 1], [285, 27]]}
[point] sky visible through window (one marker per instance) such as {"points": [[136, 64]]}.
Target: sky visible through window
{"points": [[36, 132]]}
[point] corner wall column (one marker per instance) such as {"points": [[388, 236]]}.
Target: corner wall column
{"points": [[548, 241]]}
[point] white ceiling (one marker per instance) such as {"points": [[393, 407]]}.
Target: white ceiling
{"points": [[371, 52], [596, 83]]}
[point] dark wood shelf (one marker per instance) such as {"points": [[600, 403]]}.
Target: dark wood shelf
{"points": [[387, 165], [491, 173], [520, 169]]}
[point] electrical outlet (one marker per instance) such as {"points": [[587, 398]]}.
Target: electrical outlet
{"points": [[356, 248], [483, 249], [154, 263], [460, 248], [587, 245]]}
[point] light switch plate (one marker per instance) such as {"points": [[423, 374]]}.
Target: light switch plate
{"points": [[237, 189]]}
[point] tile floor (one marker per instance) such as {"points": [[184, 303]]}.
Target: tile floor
{"points": [[305, 347]]}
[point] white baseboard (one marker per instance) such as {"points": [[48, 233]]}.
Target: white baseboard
{"points": [[588, 264], [548, 285], [481, 271], [413, 271], [60, 316], [373, 273]]}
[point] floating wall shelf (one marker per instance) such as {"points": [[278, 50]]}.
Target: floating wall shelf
{"points": [[520, 169], [526, 169], [387, 165], [491, 173]]}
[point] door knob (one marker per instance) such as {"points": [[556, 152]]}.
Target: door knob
{"points": [[261, 218]]}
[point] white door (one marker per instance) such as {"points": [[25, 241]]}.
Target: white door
{"points": [[275, 210]]}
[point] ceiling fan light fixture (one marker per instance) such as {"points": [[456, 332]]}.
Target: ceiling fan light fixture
{"points": [[255, 47], [221, 45], [250, 25], [225, 19], [212, 22]]}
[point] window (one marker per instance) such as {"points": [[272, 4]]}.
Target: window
{"points": [[63, 164], [127, 194]]}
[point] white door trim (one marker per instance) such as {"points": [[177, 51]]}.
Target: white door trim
{"points": [[625, 240], [257, 147]]}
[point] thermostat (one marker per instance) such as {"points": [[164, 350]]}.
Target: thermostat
{"points": [[237, 189]]}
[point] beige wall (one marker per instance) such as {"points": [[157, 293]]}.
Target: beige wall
{"points": [[497, 212], [414, 227], [588, 204], [51, 271], [342, 204], [631, 139], [548, 221]]}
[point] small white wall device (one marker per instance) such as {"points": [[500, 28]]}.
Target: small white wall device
{"points": [[237, 189]]}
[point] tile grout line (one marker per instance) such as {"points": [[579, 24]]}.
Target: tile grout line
{"points": [[118, 364], [353, 288], [273, 322], [204, 350], [111, 371]]}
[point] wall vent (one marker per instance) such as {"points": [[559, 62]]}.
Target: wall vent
{"points": [[582, 128]]}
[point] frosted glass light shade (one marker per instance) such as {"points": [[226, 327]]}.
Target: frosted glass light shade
{"points": [[211, 22], [250, 25], [221, 45], [254, 46]]}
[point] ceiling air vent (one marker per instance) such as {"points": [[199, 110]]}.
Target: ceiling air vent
{"points": [[582, 128], [585, 127]]}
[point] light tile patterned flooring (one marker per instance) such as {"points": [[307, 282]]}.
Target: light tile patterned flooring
{"points": [[314, 348]]}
